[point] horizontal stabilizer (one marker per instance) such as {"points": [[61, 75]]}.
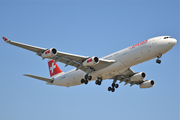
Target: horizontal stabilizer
{"points": [[39, 78]]}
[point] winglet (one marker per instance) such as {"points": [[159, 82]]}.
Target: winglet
{"points": [[5, 39]]}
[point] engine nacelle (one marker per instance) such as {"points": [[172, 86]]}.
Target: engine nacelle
{"points": [[49, 53], [147, 84], [138, 76], [91, 61]]}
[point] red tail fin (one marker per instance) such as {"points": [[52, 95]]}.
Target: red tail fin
{"points": [[53, 68]]}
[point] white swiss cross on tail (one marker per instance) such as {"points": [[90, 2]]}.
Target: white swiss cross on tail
{"points": [[53, 68]]}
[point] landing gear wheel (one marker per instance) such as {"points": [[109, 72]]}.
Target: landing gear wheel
{"points": [[86, 82], [82, 81], [109, 88], [158, 61], [113, 84], [113, 89], [86, 77], [98, 82], [89, 77], [116, 86]]}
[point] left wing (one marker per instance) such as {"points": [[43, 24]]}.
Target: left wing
{"points": [[67, 58]]}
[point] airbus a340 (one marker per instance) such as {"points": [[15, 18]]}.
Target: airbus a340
{"points": [[115, 66]]}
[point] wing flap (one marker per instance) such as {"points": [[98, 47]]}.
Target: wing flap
{"points": [[39, 78]]}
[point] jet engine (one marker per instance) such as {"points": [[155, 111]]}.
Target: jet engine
{"points": [[138, 76], [147, 84], [91, 61], [49, 53]]}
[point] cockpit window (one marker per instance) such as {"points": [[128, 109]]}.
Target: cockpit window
{"points": [[167, 37]]}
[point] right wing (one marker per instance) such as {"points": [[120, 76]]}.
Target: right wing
{"points": [[66, 58]]}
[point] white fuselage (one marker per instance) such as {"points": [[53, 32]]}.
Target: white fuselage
{"points": [[125, 58]]}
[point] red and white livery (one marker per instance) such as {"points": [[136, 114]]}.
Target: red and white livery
{"points": [[115, 66]]}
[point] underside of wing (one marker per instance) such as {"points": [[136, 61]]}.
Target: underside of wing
{"points": [[125, 77], [132, 78]]}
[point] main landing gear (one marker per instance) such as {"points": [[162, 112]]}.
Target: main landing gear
{"points": [[98, 81], [113, 86], [86, 79], [158, 56]]}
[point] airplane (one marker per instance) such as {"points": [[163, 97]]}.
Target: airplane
{"points": [[115, 66]]}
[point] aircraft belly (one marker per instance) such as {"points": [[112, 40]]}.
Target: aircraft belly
{"points": [[108, 75], [110, 71], [61, 81], [75, 79]]}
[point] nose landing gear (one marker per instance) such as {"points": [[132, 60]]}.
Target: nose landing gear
{"points": [[158, 61], [158, 56]]}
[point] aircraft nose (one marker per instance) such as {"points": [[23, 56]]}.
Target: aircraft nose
{"points": [[169, 44], [174, 41]]}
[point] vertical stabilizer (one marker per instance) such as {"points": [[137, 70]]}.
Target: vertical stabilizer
{"points": [[53, 68]]}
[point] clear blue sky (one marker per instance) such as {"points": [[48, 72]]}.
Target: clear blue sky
{"points": [[90, 29]]}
